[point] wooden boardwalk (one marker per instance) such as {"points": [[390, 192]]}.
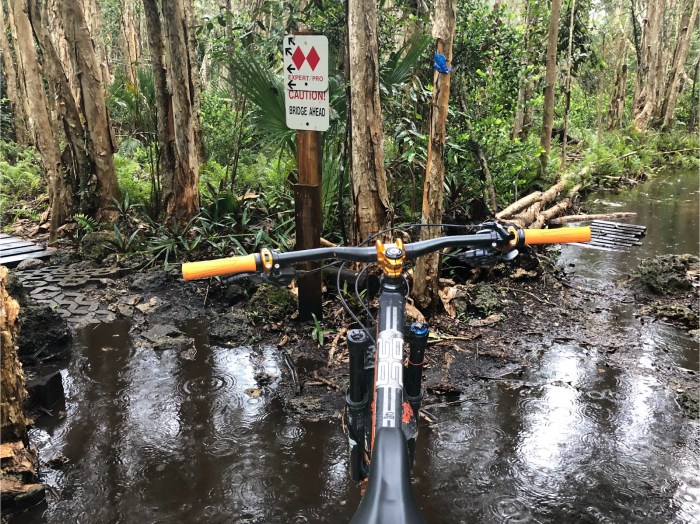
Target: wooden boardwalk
{"points": [[13, 250]]}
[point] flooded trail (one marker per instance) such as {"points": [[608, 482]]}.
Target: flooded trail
{"points": [[579, 435]]}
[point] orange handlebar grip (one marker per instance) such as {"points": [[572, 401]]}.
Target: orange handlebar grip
{"points": [[557, 236], [219, 267]]}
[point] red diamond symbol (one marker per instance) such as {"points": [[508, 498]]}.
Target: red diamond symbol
{"points": [[298, 58], [313, 58]]}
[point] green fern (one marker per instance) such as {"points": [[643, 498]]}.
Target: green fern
{"points": [[86, 223]]}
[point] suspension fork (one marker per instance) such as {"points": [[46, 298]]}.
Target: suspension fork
{"points": [[360, 349], [417, 338]]}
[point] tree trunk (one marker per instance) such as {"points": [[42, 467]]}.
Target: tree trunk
{"points": [[17, 102], [550, 79], [694, 99], [19, 484], [525, 84], [486, 177], [636, 33], [100, 141], [599, 104], [618, 96], [567, 93], [427, 272], [180, 188], [72, 192], [673, 85], [32, 87], [165, 125], [369, 187], [128, 41], [649, 69]]}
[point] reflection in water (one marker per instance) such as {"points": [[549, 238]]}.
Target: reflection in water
{"points": [[165, 437]]}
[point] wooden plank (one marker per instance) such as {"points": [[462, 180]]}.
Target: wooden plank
{"points": [[617, 231], [20, 250], [618, 225], [612, 243], [8, 238], [12, 245], [610, 236], [16, 259]]}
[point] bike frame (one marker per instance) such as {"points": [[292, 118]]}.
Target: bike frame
{"points": [[384, 396]]}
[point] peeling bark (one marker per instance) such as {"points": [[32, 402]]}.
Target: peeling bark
{"points": [[674, 83], [648, 72], [180, 188], [32, 87], [616, 110], [19, 484], [17, 102], [427, 272], [369, 185], [92, 104], [128, 41]]}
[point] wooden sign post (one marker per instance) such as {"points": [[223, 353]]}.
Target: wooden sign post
{"points": [[307, 110], [309, 217]]}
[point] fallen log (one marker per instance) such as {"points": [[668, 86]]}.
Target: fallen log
{"points": [[519, 205], [545, 216], [589, 218]]}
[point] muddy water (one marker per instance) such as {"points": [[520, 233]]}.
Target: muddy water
{"points": [[192, 437]]}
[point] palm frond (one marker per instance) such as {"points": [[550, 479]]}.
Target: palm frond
{"points": [[399, 64], [265, 90]]}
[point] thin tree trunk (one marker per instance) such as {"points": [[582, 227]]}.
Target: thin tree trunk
{"points": [[369, 186], [128, 40], [427, 272], [525, 85], [100, 141], [165, 125], [17, 103], [636, 33], [599, 103], [618, 96], [486, 177], [32, 86], [673, 86], [694, 99], [567, 94], [550, 84], [180, 188]]}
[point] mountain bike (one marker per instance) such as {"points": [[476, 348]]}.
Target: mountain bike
{"points": [[385, 388]]}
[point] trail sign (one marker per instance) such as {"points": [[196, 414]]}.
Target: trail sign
{"points": [[305, 62], [307, 110], [306, 82]]}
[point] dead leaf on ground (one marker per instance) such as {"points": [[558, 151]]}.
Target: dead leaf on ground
{"points": [[447, 294], [413, 313], [488, 321], [521, 273]]}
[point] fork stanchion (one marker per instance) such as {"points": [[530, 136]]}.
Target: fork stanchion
{"points": [[356, 402], [417, 338]]}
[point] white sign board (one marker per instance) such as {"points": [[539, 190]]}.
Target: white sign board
{"points": [[306, 98], [307, 110], [305, 62]]}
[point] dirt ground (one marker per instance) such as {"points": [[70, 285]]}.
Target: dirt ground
{"points": [[500, 322]]}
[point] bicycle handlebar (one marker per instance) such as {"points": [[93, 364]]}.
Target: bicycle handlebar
{"points": [[497, 238]]}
